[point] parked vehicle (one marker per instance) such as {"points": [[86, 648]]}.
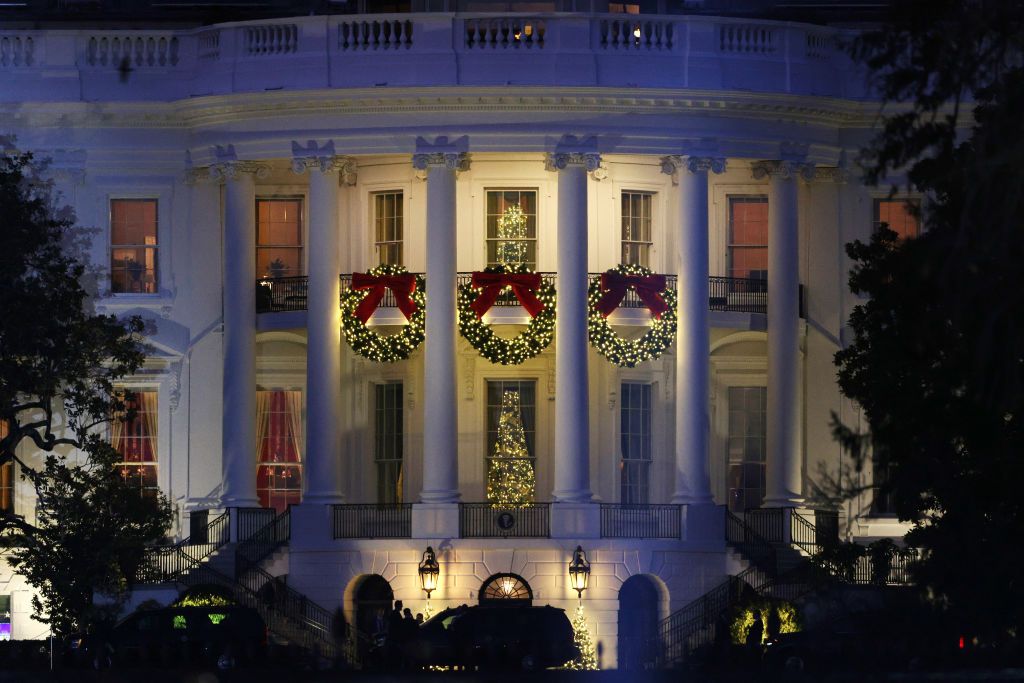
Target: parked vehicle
{"points": [[494, 637], [220, 636]]}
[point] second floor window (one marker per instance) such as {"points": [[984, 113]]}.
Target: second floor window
{"points": [[134, 436], [279, 237], [747, 255], [508, 212], [901, 215], [635, 440], [388, 441], [6, 479], [636, 228], [133, 246], [388, 227], [279, 442]]}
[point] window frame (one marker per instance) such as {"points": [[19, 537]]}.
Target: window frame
{"points": [[729, 245], [645, 247], [533, 241], [374, 222], [878, 199], [300, 465], [643, 464], [397, 440], [533, 436], [156, 248], [154, 438], [284, 193], [743, 461]]}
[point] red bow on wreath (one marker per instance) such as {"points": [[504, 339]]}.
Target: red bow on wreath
{"points": [[648, 288], [524, 286], [401, 285]]}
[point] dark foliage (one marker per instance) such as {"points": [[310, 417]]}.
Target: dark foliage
{"points": [[937, 362]]}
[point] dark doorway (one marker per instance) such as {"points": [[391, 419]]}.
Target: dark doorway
{"points": [[374, 600], [638, 624]]}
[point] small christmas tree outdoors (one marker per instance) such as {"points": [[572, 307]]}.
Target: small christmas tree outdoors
{"points": [[510, 477], [587, 661], [512, 236]]}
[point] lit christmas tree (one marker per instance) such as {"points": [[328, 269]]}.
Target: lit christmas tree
{"points": [[587, 661], [510, 477], [512, 233]]}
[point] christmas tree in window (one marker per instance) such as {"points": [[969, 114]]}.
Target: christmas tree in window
{"points": [[512, 236], [510, 476]]}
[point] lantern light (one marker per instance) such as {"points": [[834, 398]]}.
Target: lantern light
{"points": [[579, 571], [429, 571]]}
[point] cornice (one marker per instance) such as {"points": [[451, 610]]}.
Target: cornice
{"points": [[217, 110]]}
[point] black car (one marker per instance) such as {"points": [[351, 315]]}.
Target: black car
{"points": [[499, 637], [223, 636]]}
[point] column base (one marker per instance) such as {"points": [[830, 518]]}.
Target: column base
{"points": [[440, 497], [435, 520], [575, 520], [704, 523], [580, 496]]}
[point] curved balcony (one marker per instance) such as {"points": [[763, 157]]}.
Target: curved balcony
{"points": [[698, 53]]}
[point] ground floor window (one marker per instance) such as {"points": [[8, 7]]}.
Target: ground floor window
{"points": [[279, 442], [745, 467], [5, 617], [388, 441], [134, 435]]}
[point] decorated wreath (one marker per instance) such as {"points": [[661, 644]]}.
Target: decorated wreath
{"points": [[536, 296], [604, 296], [362, 299]]}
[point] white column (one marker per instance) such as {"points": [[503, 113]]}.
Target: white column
{"points": [[239, 435], [692, 483], [440, 409], [784, 466], [323, 351], [572, 405]]}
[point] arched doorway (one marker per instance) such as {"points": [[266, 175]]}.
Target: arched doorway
{"points": [[372, 601], [506, 590], [638, 624]]}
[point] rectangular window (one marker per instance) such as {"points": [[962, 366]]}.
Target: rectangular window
{"points": [[388, 443], [5, 617], [901, 215], [279, 237], [133, 246], [134, 436], [747, 249], [746, 447], [388, 227], [6, 479], [882, 500], [279, 442], [636, 228], [500, 205], [635, 441], [527, 390]]}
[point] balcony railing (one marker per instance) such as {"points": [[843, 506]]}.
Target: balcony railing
{"points": [[640, 521], [730, 294], [483, 520], [374, 520]]}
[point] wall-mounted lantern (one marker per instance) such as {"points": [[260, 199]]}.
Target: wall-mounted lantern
{"points": [[579, 571]]}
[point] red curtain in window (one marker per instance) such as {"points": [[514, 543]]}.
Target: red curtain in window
{"points": [[279, 433]]}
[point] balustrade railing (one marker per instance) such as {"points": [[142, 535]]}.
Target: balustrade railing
{"points": [[17, 51], [278, 294], [374, 34], [133, 50], [373, 520], [737, 294], [640, 521], [758, 39], [635, 33], [484, 520], [632, 299], [506, 298], [503, 33], [271, 39]]}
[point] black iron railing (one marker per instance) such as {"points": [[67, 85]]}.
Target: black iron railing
{"points": [[640, 521], [752, 544], [738, 294], [389, 297], [506, 298], [263, 541], [766, 523], [374, 520], [277, 294], [893, 570], [159, 562], [813, 537], [484, 520], [632, 299], [250, 520]]}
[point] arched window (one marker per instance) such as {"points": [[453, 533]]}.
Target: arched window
{"points": [[503, 588]]}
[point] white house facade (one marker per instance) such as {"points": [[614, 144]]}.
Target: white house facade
{"points": [[239, 174]]}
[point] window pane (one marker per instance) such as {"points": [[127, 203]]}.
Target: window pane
{"points": [[899, 214], [279, 237], [388, 447], [745, 472], [635, 441], [133, 246], [498, 201], [389, 229], [280, 444], [748, 237]]}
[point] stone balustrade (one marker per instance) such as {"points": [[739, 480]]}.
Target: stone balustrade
{"points": [[433, 50]]}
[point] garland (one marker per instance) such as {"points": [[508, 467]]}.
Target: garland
{"points": [[624, 352], [530, 342], [376, 347]]}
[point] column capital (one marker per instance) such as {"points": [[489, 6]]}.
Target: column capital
{"points": [[453, 161], [227, 166], [836, 174], [784, 169], [674, 163], [324, 158], [559, 161]]}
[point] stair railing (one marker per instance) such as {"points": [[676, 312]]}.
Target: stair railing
{"points": [[754, 546], [263, 542], [164, 563]]}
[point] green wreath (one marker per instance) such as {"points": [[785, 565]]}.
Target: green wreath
{"points": [[530, 342], [376, 347], [627, 353]]}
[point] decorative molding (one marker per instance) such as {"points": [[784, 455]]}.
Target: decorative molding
{"points": [[671, 165], [600, 173], [558, 161], [453, 161], [611, 399], [836, 174], [469, 377], [785, 170], [325, 159], [174, 385], [229, 167]]}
